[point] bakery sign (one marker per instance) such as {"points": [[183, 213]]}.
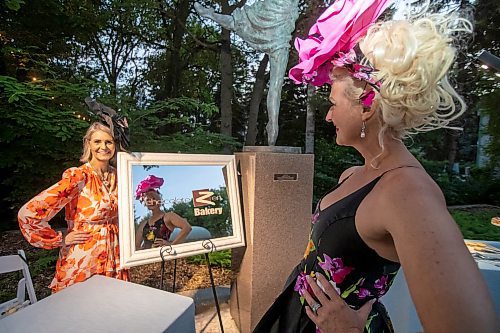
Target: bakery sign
{"points": [[202, 202]]}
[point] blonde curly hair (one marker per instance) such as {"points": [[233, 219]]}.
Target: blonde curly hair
{"points": [[412, 60]]}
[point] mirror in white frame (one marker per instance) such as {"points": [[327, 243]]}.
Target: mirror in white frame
{"points": [[178, 202]]}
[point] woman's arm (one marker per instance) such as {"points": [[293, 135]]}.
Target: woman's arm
{"points": [[178, 222], [446, 286], [34, 216]]}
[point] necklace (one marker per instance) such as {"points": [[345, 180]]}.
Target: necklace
{"points": [[104, 176], [104, 179]]}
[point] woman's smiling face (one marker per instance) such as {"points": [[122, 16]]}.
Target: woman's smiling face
{"points": [[344, 114], [102, 146], [152, 199]]}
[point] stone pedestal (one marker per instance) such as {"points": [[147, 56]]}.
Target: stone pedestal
{"points": [[277, 204]]}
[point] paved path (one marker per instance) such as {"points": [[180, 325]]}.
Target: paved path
{"points": [[206, 318], [208, 321]]}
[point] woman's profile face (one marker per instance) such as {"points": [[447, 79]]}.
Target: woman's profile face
{"points": [[344, 114], [152, 199], [102, 146]]}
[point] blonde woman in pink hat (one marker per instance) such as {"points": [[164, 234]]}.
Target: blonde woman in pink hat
{"points": [[156, 230], [387, 213]]}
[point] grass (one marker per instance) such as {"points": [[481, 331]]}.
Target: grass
{"points": [[476, 224], [41, 260], [220, 258]]}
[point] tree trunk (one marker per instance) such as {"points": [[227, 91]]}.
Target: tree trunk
{"points": [[173, 75], [226, 69], [311, 90], [257, 94], [452, 149]]}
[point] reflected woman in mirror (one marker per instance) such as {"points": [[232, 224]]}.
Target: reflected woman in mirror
{"points": [[155, 231], [89, 245]]}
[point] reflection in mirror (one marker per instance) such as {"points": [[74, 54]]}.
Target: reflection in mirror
{"points": [[176, 204], [176, 201]]}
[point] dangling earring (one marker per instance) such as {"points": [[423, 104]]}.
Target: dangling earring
{"points": [[363, 128]]}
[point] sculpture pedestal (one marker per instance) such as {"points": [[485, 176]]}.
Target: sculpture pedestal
{"points": [[277, 200]]}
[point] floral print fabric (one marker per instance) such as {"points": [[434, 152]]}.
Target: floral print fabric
{"points": [[90, 207], [355, 286]]}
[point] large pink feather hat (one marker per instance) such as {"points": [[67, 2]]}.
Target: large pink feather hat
{"points": [[333, 37]]}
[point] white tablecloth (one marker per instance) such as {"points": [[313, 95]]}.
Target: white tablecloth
{"points": [[402, 310], [103, 304]]}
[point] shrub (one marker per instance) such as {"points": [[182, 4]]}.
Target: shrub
{"points": [[219, 258]]}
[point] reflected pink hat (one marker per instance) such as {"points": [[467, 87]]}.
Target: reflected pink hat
{"points": [[150, 183]]}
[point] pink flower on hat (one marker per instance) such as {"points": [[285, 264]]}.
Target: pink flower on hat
{"points": [[150, 183]]}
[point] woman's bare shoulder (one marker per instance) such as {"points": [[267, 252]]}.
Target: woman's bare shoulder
{"points": [[168, 216], [409, 194], [414, 181]]}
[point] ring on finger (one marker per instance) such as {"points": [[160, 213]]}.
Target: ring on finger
{"points": [[315, 307]]}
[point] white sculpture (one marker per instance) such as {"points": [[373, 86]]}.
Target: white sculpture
{"points": [[267, 26]]}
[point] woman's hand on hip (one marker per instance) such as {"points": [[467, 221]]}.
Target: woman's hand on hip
{"points": [[334, 315], [76, 237]]}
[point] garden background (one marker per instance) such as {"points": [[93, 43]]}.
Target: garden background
{"points": [[186, 85]]}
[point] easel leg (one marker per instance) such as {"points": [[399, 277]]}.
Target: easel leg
{"points": [[162, 274], [165, 251], [214, 291]]}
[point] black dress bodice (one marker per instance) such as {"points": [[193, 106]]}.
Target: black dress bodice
{"points": [[337, 251]]}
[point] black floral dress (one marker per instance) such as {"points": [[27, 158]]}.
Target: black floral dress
{"points": [[151, 232], [336, 250]]}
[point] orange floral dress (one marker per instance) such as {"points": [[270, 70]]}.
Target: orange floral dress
{"points": [[90, 207]]}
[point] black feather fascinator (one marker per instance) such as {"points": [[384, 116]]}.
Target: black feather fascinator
{"points": [[109, 117]]}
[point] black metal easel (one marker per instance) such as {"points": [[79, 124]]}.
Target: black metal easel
{"points": [[166, 251], [208, 245]]}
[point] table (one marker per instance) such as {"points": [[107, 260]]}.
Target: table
{"points": [[402, 310], [103, 304]]}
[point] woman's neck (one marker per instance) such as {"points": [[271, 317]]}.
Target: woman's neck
{"points": [[100, 166], [374, 155], [156, 211]]}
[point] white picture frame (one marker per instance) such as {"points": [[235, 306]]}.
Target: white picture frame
{"points": [[173, 168]]}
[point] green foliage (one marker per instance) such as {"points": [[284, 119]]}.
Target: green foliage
{"points": [[481, 187], [14, 4], [477, 224], [42, 125], [329, 163], [40, 260], [218, 258], [47, 105], [489, 105], [177, 125]]}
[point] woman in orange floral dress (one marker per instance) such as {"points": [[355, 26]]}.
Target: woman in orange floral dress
{"points": [[89, 195]]}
